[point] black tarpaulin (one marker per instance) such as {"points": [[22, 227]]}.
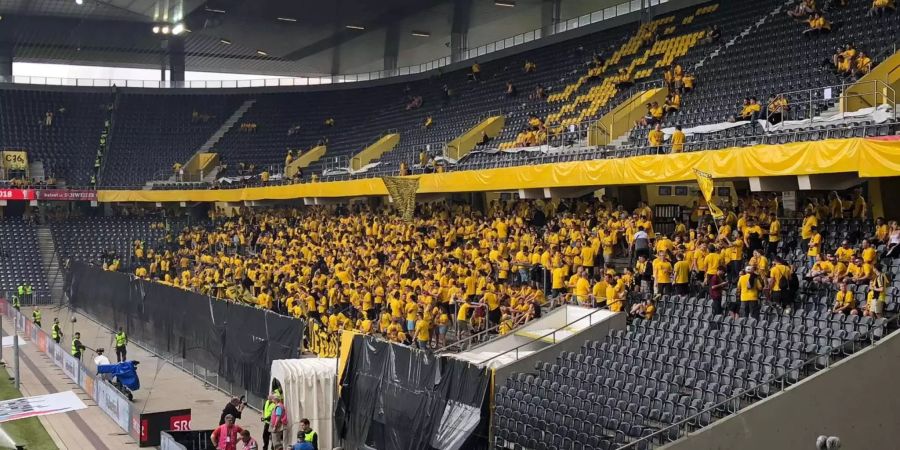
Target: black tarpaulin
{"points": [[397, 398], [237, 342]]}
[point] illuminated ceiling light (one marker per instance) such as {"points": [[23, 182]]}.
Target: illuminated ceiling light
{"points": [[79, 2], [505, 3], [355, 27], [214, 10], [164, 29], [261, 53], [155, 29], [178, 29], [225, 41], [421, 34], [286, 19]]}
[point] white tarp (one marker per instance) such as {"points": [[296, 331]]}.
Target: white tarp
{"points": [[308, 385], [347, 170], [878, 114], [39, 405]]}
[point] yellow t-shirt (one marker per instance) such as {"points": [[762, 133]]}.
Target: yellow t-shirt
{"points": [[749, 292], [682, 271], [423, 330]]}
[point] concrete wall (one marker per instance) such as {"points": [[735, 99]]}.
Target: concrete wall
{"points": [[572, 344], [855, 399]]}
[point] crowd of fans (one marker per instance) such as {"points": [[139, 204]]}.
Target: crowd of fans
{"points": [[456, 269]]}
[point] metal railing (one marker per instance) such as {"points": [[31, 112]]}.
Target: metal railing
{"points": [[627, 7], [811, 102], [543, 338], [736, 403], [38, 297]]}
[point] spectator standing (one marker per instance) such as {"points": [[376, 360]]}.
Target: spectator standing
{"points": [[717, 284], [225, 436], [279, 422]]}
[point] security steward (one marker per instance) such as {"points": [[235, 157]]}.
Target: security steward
{"points": [[121, 341], [56, 331], [20, 294], [77, 346], [268, 407], [36, 316], [29, 290], [307, 433]]}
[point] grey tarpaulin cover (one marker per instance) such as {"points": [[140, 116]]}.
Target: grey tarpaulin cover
{"points": [[236, 341], [397, 398]]}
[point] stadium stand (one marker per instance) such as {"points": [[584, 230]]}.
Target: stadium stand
{"points": [[163, 129], [60, 129], [20, 257], [773, 59], [159, 131], [105, 240], [688, 359]]}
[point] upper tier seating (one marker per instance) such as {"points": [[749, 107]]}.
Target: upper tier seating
{"points": [[774, 58], [68, 146], [158, 131]]}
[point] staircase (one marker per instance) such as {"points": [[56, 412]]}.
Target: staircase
{"points": [[50, 263], [237, 115]]}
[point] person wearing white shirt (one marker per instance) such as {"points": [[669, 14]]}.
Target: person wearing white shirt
{"points": [[101, 360]]}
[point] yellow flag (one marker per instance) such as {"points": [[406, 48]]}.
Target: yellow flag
{"points": [[707, 187]]}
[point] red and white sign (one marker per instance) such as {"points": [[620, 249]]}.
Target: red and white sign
{"points": [[67, 195], [16, 194]]}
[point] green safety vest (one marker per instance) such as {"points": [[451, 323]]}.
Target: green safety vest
{"points": [[121, 339], [36, 315], [16, 303], [76, 349], [28, 289], [267, 411], [308, 437], [21, 290], [55, 331]]}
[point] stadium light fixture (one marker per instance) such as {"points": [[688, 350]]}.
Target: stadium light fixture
{"points": [[79, 2], [421, 34], [355, 27], [178, 29], [225, 41], [155, 29], [261, 53], [215, 10], [164, 29], [505, 3], [286, 19]]}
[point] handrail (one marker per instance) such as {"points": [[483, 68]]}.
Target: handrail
{"points": [[687, 421], [540, 338]]}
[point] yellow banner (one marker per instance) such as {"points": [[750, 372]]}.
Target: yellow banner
{"points": [[707, 187], [15, 160], [403, 192], [867, 158]]}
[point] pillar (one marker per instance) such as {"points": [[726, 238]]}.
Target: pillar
{"points": [[391, 48], [176, 59], [459, 31], [550, 16]]}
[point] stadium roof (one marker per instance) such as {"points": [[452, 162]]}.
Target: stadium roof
{"points": [[279, 37]]}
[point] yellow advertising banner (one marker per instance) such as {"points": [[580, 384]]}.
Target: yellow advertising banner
{"points": [[868, 158], [15, 160]]}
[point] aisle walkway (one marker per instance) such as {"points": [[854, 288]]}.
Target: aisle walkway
{"points": [[163, 387]]}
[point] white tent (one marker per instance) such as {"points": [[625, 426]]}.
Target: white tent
{"points": [[308, 386]]}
